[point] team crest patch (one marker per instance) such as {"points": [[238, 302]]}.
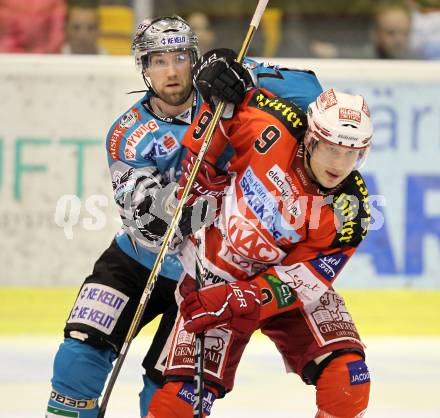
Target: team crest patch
{"points": [[129, 119], [249, 242]]}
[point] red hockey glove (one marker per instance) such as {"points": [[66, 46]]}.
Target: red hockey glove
{"points": [[210, 181], [234, 305]]}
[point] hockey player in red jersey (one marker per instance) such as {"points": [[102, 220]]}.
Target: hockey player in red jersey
{"points": [[292, 217]]}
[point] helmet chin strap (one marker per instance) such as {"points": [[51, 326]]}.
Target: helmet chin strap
{"points": [[147, 83]]}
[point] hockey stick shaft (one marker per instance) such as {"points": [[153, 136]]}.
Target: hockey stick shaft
{"points": [[199, 351], [261, 6]]}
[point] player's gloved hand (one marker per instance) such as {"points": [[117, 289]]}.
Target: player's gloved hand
{"points": [[210, 181], [217, 76], [153, 215], [233, 305]]}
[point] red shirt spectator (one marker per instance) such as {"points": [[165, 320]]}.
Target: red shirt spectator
{"points": [[35, 26]]}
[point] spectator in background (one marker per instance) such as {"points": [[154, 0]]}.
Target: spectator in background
{"points": [[392, 26], [82, 29], [199, 22], [389, 37], [425, 32], [31, 26]]}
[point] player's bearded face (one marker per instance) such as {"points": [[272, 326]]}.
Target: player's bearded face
{"points": [[170, 75], [331, 164]]}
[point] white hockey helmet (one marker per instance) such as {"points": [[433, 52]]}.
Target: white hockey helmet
{"points": [[341, 119], [164, 34]]}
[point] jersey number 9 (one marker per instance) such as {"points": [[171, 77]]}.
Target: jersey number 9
{"points": [[268, 137]]}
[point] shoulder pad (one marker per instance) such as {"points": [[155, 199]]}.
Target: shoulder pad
{"points": [[352, 208], [251, 64], [288, 113]]}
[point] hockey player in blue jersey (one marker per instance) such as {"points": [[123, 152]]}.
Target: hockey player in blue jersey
{"points": [[144, 155]]}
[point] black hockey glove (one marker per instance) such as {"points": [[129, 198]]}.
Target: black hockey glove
{"points": [[217, 76], [152, 217]]}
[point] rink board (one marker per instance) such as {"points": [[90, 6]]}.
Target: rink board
{"points": [[376, 312], [58, 110]]}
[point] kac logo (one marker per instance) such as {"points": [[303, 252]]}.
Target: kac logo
{"points": [[249, 242]]}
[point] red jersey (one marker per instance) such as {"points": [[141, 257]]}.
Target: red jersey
{"points": [[276, 224]]}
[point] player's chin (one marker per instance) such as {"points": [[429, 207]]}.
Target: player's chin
{"points": [[176, 98], [330, 181], [171, 99]]}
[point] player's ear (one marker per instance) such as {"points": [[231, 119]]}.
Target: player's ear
{"points": [[146, 72]]}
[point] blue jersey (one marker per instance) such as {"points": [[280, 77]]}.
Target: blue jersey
{"points": [[145, 153]]}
